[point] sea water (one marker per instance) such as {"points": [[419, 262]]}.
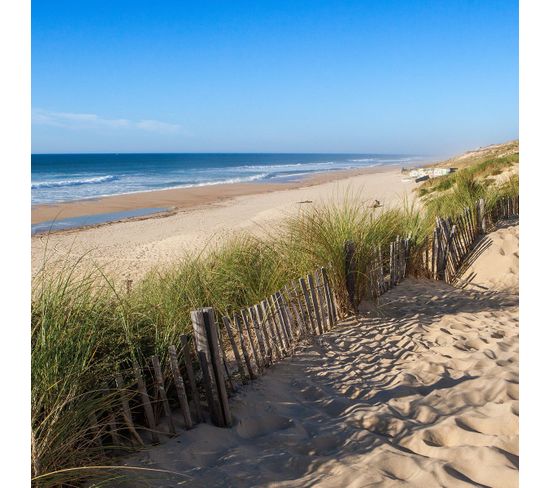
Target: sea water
{"points": [[65, 177]]}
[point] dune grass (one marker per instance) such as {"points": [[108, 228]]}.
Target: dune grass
{"points": [[448, 195], [481, 171], [83, 326]]}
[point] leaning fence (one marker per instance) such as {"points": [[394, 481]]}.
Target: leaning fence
{"points": [[201, 373]]}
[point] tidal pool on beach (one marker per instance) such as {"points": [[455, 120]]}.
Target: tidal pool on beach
{"points": [[88, 220]]}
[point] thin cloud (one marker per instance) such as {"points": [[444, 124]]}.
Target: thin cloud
{"points": [[157, 126], [71, 120]]}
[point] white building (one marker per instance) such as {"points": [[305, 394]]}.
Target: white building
{"points": [[430, 172]]}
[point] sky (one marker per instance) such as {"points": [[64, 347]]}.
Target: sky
{"points": [[414, 77]]}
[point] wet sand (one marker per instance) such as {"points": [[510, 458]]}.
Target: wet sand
{"points": [[199, 217], [183, 198]]}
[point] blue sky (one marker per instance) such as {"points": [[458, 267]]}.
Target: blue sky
{"points": [[423, 77]]}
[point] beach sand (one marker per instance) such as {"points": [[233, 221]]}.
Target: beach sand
{"points": [[422, 393], [199, 217]]}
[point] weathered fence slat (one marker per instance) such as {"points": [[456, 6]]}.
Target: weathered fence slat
{"points": [[435, 253], [298, 309], [329, 299], [259, 336], [205, 362], [471, 226], [159, 383], [350, 271], [279, 324], [180, 387], [392, 265], [292, 313], [149, 415], [113, 429], [126, 412], [216, 357], [207, 346], [309, 306], [224, 360], [275, 327], [244, 350], [271, 329], [185, 340], [382, 276], [251, 341], [227, 325], [284, 321], [315, 303], [482, 216], [321, 299], [262, 320]]}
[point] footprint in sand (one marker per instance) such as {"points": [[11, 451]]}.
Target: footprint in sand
{"points": [[490, 354], [252, 427]]}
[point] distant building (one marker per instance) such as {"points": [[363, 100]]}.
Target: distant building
{"points": [[429, 172]]}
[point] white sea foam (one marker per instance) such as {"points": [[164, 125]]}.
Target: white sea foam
{"points": [[73, 182], [80, 186]]}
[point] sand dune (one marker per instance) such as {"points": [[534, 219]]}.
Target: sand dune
{"points": [[423, 393], [498, 266]]}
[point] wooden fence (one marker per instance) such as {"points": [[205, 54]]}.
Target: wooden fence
{"points": [[207, 367], [450, 246], [224, 352]]}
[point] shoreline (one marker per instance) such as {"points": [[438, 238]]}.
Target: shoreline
{"points": [[174, 200], [200, 218]]}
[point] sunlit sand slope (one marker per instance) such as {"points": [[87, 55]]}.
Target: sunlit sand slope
{"points": [[424, 394]]}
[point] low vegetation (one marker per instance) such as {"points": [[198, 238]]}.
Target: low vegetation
{"points": [[84, 327], [489, 173], [482, 171]]}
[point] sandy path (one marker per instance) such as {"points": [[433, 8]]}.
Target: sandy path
{"points": [[423, 394], [129, 249]]}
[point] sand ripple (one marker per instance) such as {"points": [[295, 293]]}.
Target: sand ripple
{"points": [[424, 394]]}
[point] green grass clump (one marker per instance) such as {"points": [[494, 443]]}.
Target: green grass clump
{"points": [[479, 171], [448, 195], [76, 339], [316, 237]]}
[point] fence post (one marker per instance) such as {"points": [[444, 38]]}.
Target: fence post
{"points": [[208, 350], [349, 255], [328, 298], [482, 216]]}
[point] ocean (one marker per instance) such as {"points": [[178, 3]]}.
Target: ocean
{"points": [[65, 177]]}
